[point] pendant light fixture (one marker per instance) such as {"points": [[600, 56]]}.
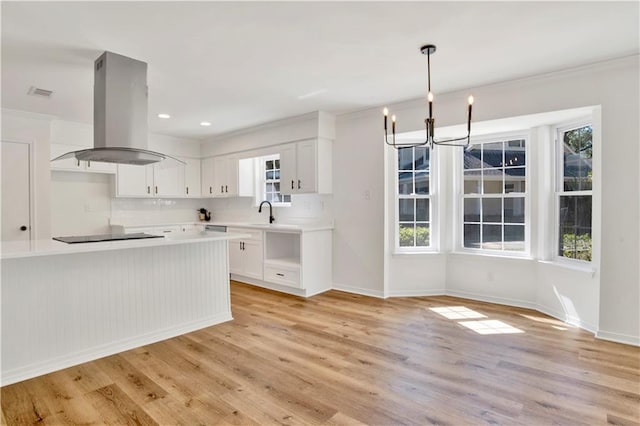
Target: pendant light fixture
{"points": [[428, 50]]}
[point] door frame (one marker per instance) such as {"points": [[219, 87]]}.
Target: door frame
{"points": [[32, 175]]}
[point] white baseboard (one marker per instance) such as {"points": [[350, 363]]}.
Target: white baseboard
{"points": [[574, 321], [618, 338], [358, 290], [111, 348], [492, 299], [416, 293]]}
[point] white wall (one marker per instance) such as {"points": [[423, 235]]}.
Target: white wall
{"points": [[31, 128], [359, 226], [80, 203]]}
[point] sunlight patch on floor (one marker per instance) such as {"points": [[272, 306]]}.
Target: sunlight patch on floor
{"points": [[490, 327], [457, 312]]}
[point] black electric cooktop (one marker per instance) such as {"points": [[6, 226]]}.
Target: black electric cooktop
{"points": [[105, 237]]}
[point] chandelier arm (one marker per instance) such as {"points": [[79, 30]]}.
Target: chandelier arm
{"points": [[453, 142]]}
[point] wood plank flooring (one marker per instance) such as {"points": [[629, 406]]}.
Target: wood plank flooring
{"points": [[344, 359]]}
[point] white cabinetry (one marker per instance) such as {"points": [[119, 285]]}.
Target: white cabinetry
{"points": [[245, 256], [305, 167], [192, 181], [164, 179], [73, 165], [221, 177]]}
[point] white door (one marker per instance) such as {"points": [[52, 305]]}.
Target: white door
{"points": [[236, 257], [231, 185], [253, 259], [306, 166], [192, 177], [16, 178], [220, 177], [208, 177], [288, 181], [168, 178], [134, 181]]}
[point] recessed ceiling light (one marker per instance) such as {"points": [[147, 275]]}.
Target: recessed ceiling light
{"points": [[205, 123], [164, 116]]}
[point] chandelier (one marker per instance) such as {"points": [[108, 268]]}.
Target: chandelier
{"points": [[429, 122]]}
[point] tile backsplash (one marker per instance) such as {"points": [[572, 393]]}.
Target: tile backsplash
{"points": [[139, 211]]}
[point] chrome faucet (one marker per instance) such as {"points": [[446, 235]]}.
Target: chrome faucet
{"points": [[271, 218]]}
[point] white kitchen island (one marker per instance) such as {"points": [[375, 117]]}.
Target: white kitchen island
{"points": [[65, 304]]}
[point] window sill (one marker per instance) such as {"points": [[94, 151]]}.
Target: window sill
{"points": [[570, 265], [416, 253], [500, 255]]}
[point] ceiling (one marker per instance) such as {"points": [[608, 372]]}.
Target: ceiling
{"points": [[238, 64]]}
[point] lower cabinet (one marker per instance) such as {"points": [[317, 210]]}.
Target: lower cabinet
{"points": [[246, 255]]}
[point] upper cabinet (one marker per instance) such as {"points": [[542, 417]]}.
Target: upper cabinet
{"points": [[164, 179], [305, 167], [220, 177], [192, 181]]}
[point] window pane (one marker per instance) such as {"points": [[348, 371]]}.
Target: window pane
{"points": [[405, 159], [492, 155], [514, 153], [514, 180], [578, 152], [405, 183], [270, 187], [270, 175], [472, 181], [269, 165], [405, 210], [514, 210], [422, 234], [422, 210], [492, 181], [276, 186], [472, 210], [492, 210], [492, 237], [514, 237], [286, 198], [422, 182], [406, 235], [473, 157], [422, 159], [277, 164], [276, 174], [472, 236], [575, 227]]}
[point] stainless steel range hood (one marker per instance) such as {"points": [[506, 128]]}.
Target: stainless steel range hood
{"points": [[119, 114]]}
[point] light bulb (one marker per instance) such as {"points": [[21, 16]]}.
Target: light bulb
{"points": [[430, 97], [385, 112], [164, 116], [393, 118], [470, 99]]}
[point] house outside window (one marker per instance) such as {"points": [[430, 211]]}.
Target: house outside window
{"points": [[270, 182], [574, 192], [494, 195], [413, 199]]}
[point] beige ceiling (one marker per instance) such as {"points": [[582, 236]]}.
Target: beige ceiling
{"points": [[238, 64]]}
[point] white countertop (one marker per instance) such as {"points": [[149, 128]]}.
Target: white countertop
{"points": [[22, 249], [302, 227]]}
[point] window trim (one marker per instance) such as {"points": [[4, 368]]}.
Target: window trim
{"points": [[459, 247], [433, 246], [558, 192], [261, 181]]}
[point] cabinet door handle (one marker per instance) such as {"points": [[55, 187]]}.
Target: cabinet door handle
{"points": [[78, 163], [187, 190], [88, 163], [298, 183], [156, 189], [226, 188], [148, 189], [210, 190], [221, 188], [292, 184], [279, 274]]}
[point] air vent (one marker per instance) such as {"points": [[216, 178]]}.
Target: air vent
{"points": [[36, 91]]}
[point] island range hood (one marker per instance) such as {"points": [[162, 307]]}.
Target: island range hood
{"points": [[119, 114]]}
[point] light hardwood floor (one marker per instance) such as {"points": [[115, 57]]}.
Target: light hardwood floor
{"points": [[340, 358]]}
